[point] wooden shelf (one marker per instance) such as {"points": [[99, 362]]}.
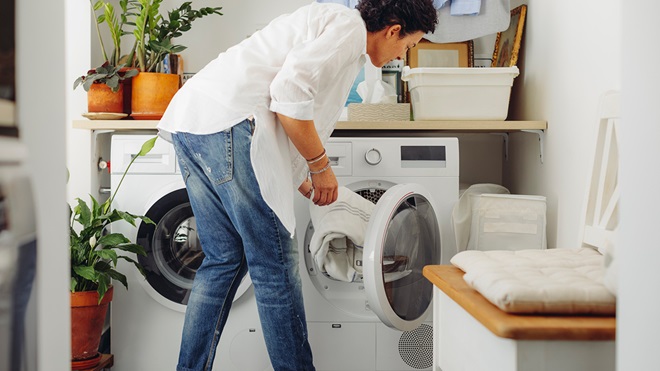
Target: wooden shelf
{"points": [[107, 361], [460, 126], [114, 124], [454, 126]]}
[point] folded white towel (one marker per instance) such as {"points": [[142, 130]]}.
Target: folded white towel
{"points": [[339, 230]]}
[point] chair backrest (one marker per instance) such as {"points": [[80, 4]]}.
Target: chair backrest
{"points": [[601, 216]]}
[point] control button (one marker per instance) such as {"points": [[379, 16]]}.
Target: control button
{"points": [[373, 156]]}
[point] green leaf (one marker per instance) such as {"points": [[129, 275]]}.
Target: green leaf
{"points": [[113, 83], [78, 81], [111, 240], [134, 248], [83, 212], [147, 146], [145, 219], [118, 276], [102, 268], [73, 284], [107, 254], [130, 218], [86, 272], [104, 282], [131, 73]]}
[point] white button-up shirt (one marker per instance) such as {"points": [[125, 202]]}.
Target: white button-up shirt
{"points": [[301, 65]]}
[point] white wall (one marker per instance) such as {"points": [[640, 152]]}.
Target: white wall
{"points": [[41, 103], [213, 34], [571, 55], [639, 276]]}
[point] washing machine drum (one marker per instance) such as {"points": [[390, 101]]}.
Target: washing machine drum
{"points": [[402, 236], [173, 250]]}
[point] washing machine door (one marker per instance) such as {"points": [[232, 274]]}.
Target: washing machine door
{"points": [[403, 235], [173, 251]]}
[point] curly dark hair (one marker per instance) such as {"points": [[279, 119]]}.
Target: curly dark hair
{"points": [[412, 15]]}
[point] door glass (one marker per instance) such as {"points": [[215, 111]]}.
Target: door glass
{"points": [[173, 249], [178, 254], [412, 241]]}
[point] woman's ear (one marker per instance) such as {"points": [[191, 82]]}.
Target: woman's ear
{"points": [[393, 30]]}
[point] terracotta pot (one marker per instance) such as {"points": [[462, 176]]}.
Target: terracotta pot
{"points": [[100, 98], [128, 90], [152, 92], [87, 319]]}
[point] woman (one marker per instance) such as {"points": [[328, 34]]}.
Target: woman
{"points": [[248, 130]]}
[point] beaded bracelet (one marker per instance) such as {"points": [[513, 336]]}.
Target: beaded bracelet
{"points": [[326, 167], [317, 158]]}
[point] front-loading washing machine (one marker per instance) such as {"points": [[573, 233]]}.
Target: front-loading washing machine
{"points": [[147, 319], [374, 323]]}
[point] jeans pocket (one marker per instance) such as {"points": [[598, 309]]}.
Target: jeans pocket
{"points": [[211, 153], [218, 158]]}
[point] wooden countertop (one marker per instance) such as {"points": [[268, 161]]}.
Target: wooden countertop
{"points": [[453, 126], [449, 279]]}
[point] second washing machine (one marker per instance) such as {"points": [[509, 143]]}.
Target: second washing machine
{"points": [[368, 324], [147, 319], [375, 323]]}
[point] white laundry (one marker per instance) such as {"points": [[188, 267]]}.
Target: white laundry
{"points": [[339, 230]]}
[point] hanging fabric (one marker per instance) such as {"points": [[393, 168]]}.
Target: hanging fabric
{"points": [[492, 16]]}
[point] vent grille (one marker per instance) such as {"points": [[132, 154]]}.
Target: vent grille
{"points": [[416, 347], [372, 194]]}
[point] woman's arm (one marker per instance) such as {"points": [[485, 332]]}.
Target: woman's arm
{"points": [[303, 135]]}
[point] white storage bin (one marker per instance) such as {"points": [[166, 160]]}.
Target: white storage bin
{"points": [[507, 222], [439, 93]]}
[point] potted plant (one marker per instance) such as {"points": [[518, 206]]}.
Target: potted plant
{"points": [[94, 254], [104, 87], [108, 86], [152, 89]]}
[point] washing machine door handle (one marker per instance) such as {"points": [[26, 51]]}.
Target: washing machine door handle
{"points": [[403, 236]]}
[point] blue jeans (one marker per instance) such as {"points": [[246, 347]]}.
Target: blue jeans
{"points": [[238, 232]]}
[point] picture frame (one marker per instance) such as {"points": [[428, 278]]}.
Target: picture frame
{"points": [[430, 54], [507, 43], [8, 126]]}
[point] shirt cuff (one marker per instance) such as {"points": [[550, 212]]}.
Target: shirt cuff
{"points": [[298, 110]]}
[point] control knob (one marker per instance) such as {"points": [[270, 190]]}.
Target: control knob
{"points": [[373, 156]]}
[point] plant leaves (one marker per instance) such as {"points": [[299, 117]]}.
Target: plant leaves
{"points": [[104, 282], [134, 248], [107, 254], [130, 73], [86, 272], [130, 218], [112, 240], [72, 284], [145, 219], [83, 213], [119, 277], [147, 146]]}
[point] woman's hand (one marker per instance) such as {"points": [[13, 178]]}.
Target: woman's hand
{"points": [[306, 188], [324, 185]]}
